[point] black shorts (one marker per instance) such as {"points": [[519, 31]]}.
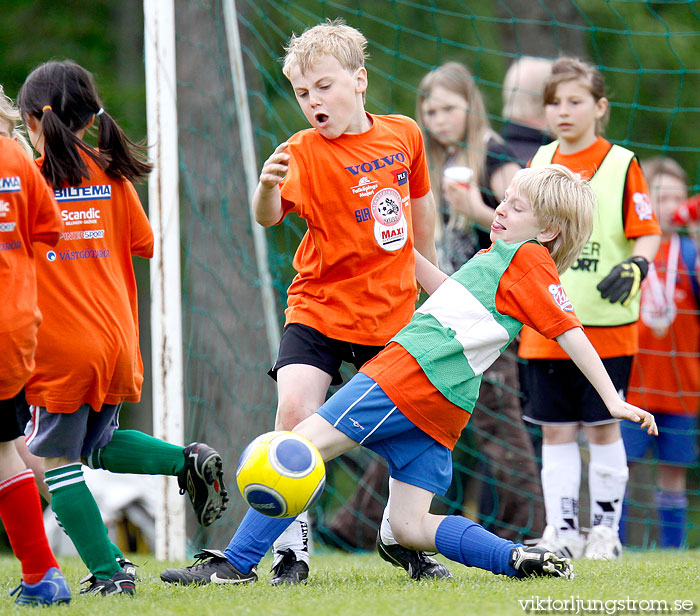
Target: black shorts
{"points": [[301, 344], [14, 415], [555, 392]]}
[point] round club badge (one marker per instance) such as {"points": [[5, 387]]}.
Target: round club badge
{"points": [[390, 226]]}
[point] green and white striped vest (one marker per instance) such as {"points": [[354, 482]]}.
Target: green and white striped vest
{"points": [[458, 333]]}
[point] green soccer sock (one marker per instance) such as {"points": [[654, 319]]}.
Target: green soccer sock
{"points": [[131, 451], [76, 510]]}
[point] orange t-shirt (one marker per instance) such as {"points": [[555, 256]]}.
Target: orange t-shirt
{"points": [[529, 291], [615, 341], [666, 371], [88, 349], [356, 271], [28, 214]]}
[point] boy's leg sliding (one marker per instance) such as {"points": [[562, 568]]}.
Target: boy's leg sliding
{"points": [[198, 468], [464, 541], [256, 532]]}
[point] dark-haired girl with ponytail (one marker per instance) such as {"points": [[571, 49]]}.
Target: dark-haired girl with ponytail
{"points": [[88, 360]]}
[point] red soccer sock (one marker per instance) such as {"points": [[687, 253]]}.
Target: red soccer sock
{"points": [[20, 510]]}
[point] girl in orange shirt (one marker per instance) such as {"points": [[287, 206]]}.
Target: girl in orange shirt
{"points": [[88, 359], [602, 285], [28, 214]]}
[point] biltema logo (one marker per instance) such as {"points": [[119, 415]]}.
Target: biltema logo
{"points": [[83, 193], [74, 255], [560, 297], [81, 217], [91, 234], [377, 163], [6, 227], [10, 185]]}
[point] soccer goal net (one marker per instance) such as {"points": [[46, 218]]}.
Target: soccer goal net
{"points": [[234, 107]]}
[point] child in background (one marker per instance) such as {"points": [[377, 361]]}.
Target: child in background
{"points": [[410, 403], [451, 111], [603, 285], [28, 214], [666, 372], [88, 360], [361, 184]]}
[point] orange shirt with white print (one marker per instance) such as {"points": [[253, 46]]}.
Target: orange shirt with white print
{"points": [[529, 291], [355, 264], [88, 350], [666, 371], [28, 214], [620, 340]]}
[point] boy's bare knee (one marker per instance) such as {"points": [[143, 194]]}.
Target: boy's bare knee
{"points": [[292, 411]]}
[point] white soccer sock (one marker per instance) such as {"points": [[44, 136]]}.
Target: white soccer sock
{"points": [[607, 480], [385, 529], [295, 538], [561, 480]]}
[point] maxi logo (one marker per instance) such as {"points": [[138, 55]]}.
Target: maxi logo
{"points": [[377, 163]]}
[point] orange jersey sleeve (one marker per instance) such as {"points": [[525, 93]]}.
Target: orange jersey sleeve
{"points": [[355, 264], [88, 345]]}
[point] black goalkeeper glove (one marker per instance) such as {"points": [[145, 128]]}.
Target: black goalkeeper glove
{"points": [[623, 281]]}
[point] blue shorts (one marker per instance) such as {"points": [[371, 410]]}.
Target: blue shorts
{"points": [[70, 435], [677, 442], [364, 413]]}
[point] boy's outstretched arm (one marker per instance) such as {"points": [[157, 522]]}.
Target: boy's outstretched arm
{"points": [[267, 200], [423, 213], [428, 276], [581, 351]]}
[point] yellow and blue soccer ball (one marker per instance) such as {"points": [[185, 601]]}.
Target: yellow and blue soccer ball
{"points": [[281, 474]]}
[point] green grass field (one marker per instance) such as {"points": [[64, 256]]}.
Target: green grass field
{"points": [[361, 585]]}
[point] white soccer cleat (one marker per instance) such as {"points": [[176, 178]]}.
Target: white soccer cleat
{"points": [[570, 546], [603, 544]]}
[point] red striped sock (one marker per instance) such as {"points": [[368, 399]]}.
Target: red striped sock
{"points": [[20, 510]]}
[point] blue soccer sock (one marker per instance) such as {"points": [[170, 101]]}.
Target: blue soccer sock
{"points": [[468, 543], [254, 537], [673, 517]]}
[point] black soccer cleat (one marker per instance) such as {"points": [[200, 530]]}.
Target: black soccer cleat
{"points": [[203, 480], [288, 570], [538, 562], [120, 583], [127, 566], [419, 565], [210, 567]]}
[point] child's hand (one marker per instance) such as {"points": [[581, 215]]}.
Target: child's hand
{"points": [[623, 410], [275, 168], [461, 197]]}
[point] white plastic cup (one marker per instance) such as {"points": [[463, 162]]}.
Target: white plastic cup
{"points": [[461, 175]]}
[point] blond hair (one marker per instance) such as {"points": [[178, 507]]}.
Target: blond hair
{"points": [[560, 199], [10, 119], [572, 69], [523, 86], [661, 165], [332, 37]]}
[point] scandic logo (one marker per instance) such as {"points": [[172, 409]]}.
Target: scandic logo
{"points": [[377, 163], [12, 184], [80, 216], [83, 193]]}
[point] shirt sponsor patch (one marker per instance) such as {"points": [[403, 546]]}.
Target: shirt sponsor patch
{"points": [[90, 234], [561, 299], [10, 185], [365, 187], [14, 245], [642, 205], [83, 193], [81, 217], [7, 227], [4, 208]]}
